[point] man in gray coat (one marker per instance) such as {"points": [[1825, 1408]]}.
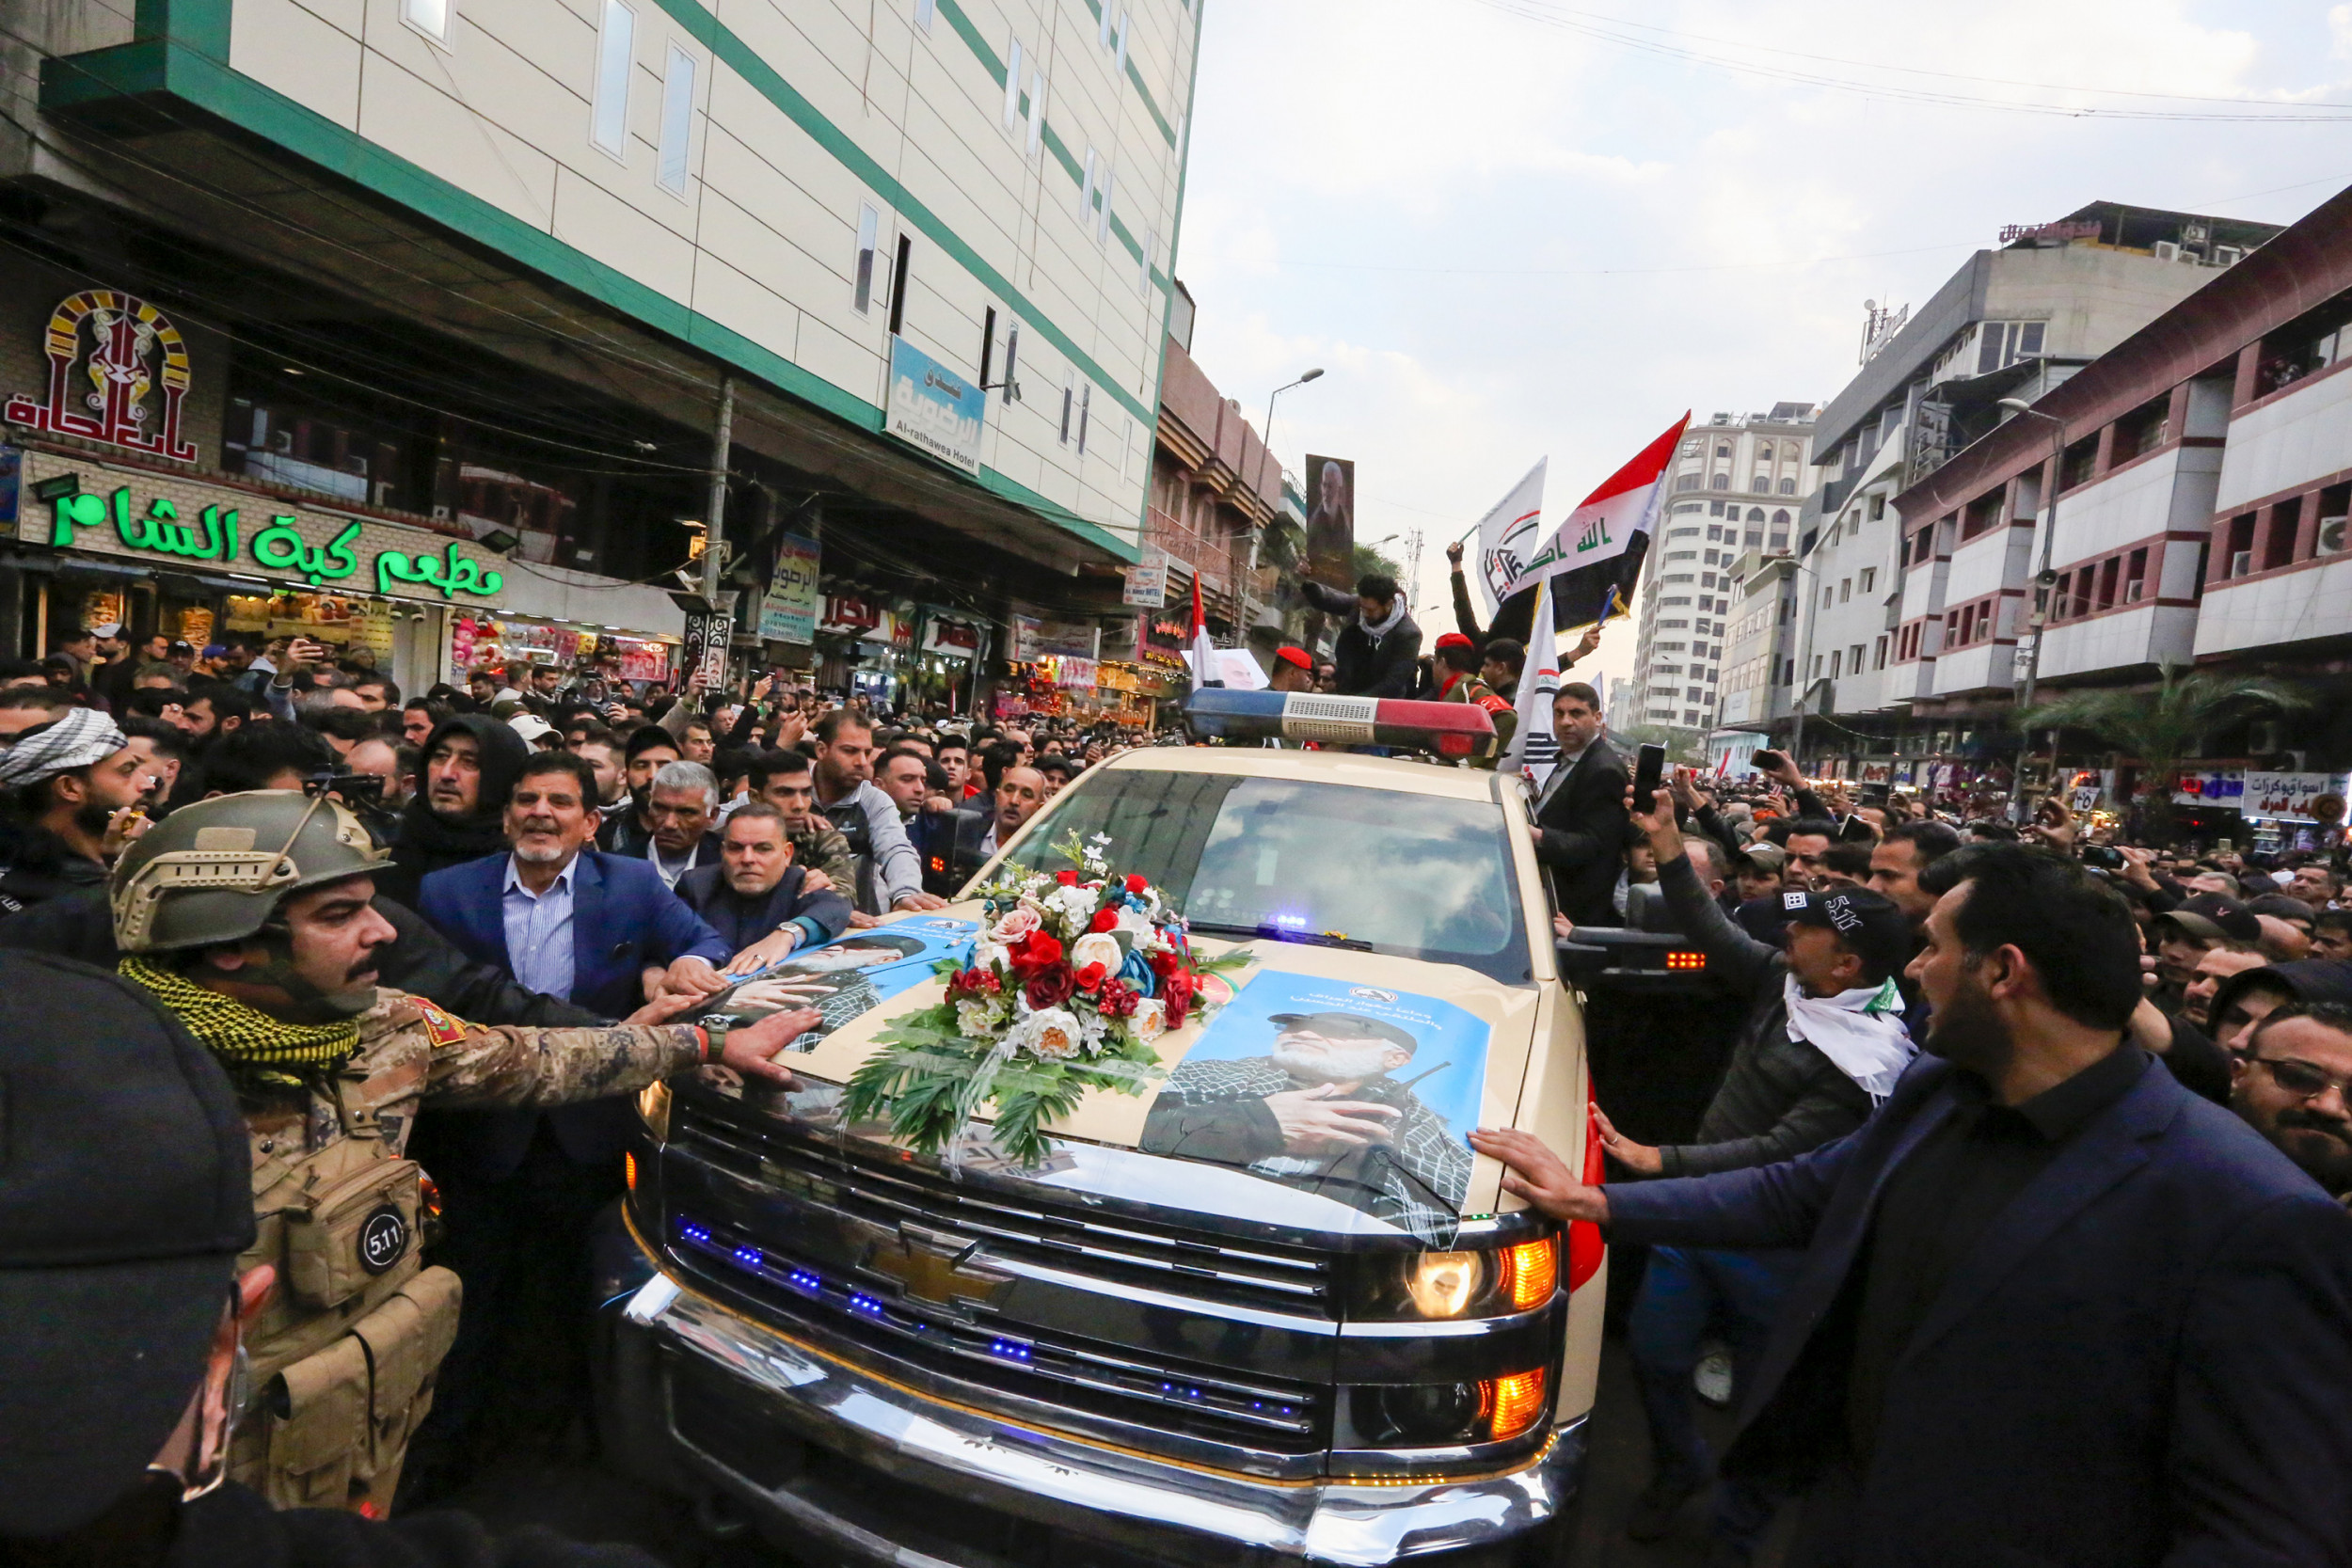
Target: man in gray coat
{"points": [[1823, 1043]]}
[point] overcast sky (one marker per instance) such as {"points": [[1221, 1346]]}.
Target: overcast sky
{"points": [[1503, 237]]}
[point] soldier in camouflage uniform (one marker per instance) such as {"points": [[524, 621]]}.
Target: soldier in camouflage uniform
{"points": [[1322, 1114], [1457, 658], [249, 916]]}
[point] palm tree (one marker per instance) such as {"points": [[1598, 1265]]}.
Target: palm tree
{"points": [[2166, 725]]}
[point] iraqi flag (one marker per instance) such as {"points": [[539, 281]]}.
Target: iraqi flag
{"points": [[1592, 563]]}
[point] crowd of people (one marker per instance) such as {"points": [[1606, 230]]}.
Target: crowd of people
{"points": [[453, 930], [2030, 1158], [1940, 1005]]}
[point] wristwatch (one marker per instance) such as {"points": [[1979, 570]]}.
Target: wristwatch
{"points": [[715, 1031]]}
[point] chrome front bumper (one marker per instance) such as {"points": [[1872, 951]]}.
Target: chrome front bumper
{"points": [[905, 1480]]}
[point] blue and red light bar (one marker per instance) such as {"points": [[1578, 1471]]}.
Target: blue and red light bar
{"points": [[1449, 728]]}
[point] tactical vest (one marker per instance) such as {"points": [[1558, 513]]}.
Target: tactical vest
{"points": [[345, 1349]]}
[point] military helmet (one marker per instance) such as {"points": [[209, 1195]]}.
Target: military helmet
{"points": [[216, 870]]}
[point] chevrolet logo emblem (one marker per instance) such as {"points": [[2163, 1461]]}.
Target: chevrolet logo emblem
{"points": [[934, 1266]]}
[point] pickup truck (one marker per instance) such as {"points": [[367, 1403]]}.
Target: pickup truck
{"points": [[1214, 1325]]}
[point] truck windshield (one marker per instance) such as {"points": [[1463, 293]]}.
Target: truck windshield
{"points": [[1417, 876]]}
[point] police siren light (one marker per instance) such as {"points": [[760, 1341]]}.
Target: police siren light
{"points": [[1449, 728]]}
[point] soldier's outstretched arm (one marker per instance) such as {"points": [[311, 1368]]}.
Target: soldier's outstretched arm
{"points": [[480, 1065]]}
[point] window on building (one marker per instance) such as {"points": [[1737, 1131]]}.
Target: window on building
{"points": [[1069, 402], [1722, 451], [868, 235], [1787, 486], [1853, 659], [1715, 509], [429, 17], [898, 282], [1086, 412], [1816, 667], [2080, 459], [1763, 452], [1037, 111], [1012, 84], [1878, 655], [1720, 482], [1685, 481], [678, 121], [2136, 577], [1878, 505], [1086, 185], [1762, 484], [924, 12], [1845, 590], [616, 57], [2000, 343], [1829, 598]]}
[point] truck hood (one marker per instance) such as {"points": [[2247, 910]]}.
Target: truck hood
{"points": [[1244, 1102]]}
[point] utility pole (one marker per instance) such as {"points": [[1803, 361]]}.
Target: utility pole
{"points": [[715, 512], [2038, 599]]}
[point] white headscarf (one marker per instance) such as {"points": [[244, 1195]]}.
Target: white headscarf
{"points": [[1379, 629], [1860, 1030], [77, 738]]}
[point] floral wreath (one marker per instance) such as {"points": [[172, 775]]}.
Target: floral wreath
{"points": [[1073, 977]]}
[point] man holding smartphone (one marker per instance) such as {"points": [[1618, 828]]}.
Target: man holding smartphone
{"points": [[1581, 826]]}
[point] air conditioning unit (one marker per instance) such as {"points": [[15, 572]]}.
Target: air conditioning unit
{"points": [[2168, 251], [2331, 531], [2241, 563], [2132, 591], [2227, 255]]}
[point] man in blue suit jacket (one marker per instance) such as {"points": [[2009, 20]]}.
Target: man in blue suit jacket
{"points": [[519, 1188], [2054, 1308]]}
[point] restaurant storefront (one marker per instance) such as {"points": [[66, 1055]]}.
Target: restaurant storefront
{"points": [[202, 559]]}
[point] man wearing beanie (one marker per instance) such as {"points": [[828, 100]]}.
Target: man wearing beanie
{"points": [[126, 1218], [471, 761]]}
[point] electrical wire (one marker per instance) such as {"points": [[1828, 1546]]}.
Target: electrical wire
{"points": [[1602, 29]]}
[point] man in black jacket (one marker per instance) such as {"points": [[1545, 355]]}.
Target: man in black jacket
{"points": [[1823, 1042], [119, 1383], [459, 814], [1581, 825], [1379, 644], [756, 897]]}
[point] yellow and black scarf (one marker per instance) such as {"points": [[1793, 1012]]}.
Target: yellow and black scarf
{"points": [[242, 1035]]}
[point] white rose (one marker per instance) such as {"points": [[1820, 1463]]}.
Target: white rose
{"points": [[1072, 906], [1050, 1033], [977, 1019], [1133, 922], [988, 957], [1151, 1021], [1096, 947]]}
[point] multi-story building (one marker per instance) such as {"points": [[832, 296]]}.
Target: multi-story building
{"points": [[1756, 659], [2202, 479], [516, 270], [2011, 322], [1733, 490]]}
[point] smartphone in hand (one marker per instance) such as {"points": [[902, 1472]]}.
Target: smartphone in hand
{"points": [[1648, 776], [1764, 761]]}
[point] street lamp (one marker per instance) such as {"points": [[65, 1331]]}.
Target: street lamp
{"points": [[2041, 610], [1265, 445], [1266, 437]]}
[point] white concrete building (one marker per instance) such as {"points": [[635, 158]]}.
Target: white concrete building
{"points": [[1733, 490]]}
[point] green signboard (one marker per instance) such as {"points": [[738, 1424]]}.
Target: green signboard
{"points": [[279, 548]]}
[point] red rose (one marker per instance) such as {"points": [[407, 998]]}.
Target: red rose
{"points": [[1042, 950], [1051, 986], [1176, 996], [1067, 878], [1091, 977], [1164, 964], [1137, 884], [1103, 920]]}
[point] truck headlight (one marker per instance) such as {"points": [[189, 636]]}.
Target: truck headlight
{"points": [[1435, 1286], [1449, 1414]]}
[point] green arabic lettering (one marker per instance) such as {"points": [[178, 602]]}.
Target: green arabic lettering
{"points": [[339, 551], [79, 510], [451, 573], [119, 501], [277, 547], [221, 534]]}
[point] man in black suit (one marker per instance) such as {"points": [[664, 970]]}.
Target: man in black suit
{"points": [[1582, 829], [2054, 1308]]}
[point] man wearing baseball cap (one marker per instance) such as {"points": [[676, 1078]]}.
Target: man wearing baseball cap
{"points": [[2184, 935], [1822, 1045], [1321, 1111], [125, 1202]]}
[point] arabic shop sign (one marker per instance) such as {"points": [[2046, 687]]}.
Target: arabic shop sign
{"points": [[931, 407], [108, 352], [281, 548]]}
